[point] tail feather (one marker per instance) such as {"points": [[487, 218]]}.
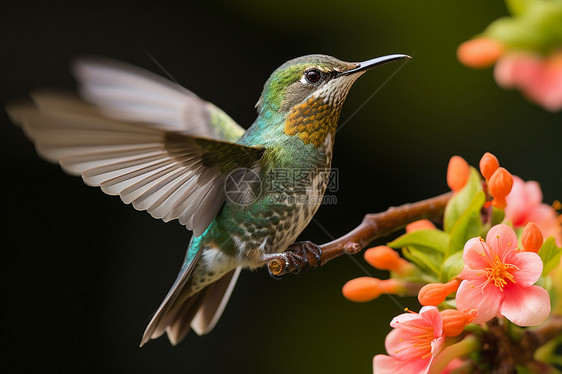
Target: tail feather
{"points": [[165, 312], [179, 327], [201, 310], [215, 301]]}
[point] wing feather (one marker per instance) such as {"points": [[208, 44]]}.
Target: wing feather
{"points": [[171, 175], [128, 93], [151, 183]]}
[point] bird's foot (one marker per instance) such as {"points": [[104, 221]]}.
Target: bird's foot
{"points": [[298, 257]]}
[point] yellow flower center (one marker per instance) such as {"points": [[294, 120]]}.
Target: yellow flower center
{"points": [[500, 273], [497, 271]]}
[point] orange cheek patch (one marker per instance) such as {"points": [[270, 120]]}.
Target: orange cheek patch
{"points": [[312, 121]]}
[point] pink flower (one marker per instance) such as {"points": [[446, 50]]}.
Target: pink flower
{"points": [[539, 78], [524, 205], [498, 279], [413, 344]]}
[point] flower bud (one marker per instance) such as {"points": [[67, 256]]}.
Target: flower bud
{"points": [[435, 293], [454, 321], [488, 165], [386, 258], [432, 294], [480, 52], [422, 224], [364, 289], [532, 238], [499, 187], [458, 172]]}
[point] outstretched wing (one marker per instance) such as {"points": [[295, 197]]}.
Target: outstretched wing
{"points": [[128, 93], [167, 173]]}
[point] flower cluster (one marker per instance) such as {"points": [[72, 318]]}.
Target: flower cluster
{"points": [[526, 48], [490, 262]]}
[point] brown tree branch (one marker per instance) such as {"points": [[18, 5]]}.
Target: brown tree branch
{"points": [[373, 226]]}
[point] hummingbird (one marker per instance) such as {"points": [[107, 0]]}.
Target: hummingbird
{"points": [[164, 150]]}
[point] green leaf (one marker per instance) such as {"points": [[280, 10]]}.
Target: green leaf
{"points": [[428, 239], [461, 200], [426, 259], [425, 248], [468, 225], [550, 255], [452, 267]]}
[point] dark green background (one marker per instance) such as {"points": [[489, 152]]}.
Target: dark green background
{"points": [[81, 273]]}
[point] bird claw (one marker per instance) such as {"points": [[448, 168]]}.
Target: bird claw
{"points": [[298, 257]]}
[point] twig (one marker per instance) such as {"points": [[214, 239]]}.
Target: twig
{"points": [[372, 227]]}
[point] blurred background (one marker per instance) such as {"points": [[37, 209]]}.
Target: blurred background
{"points": [[81, 273]]}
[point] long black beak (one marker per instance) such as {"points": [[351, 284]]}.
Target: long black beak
{"points": [[369, 64]]}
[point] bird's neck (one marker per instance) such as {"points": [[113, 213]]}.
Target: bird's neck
{"points": [[311, 121]]}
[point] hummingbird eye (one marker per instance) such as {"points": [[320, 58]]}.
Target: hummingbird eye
{"points": [[313, 76]]}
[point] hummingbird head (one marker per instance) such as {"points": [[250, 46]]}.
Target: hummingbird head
{"points": [[309, 92]]}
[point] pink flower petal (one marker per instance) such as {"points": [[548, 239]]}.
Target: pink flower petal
{"points": [[399, 344], [525, 306], [517, 70], [404, 319], [530, 268], [383, 364], [415, 366], [545, 217], [502, 240], [430, 315], [524, 206], [415, 335], [472, 253], [527, 70], [533, 192], [471, 274], [547, 88], [410, 323], [437, 345], [470, 295], [518, 206], [504, 71]]}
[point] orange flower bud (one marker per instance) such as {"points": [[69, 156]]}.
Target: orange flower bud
{"points": [[532, 238], [364, 289], [480, 52], [386, 258], [458, 172], [488, 165], [435, 293], [422, 224], [455, 321], [500, 184], [432, 294]]}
